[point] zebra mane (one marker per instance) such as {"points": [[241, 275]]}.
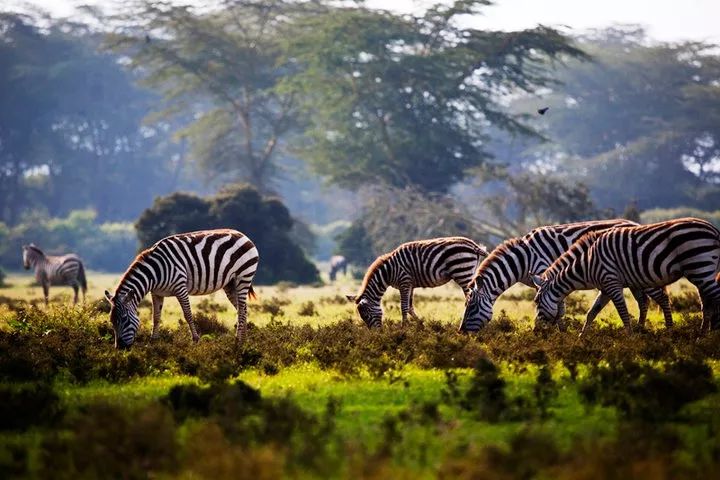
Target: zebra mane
{"points": [[500, 250], [139, 258], [372, 269], [35, 249], [579, 247]]}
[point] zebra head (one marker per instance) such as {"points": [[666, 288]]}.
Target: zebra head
{"points": [[124, 319], [30, 255], [369, 311], [547, 304], [478, 309]]}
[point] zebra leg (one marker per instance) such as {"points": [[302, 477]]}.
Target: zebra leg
{"points": [[600, 301], [412, 308], [642, 301], [231, 293], [184, 301], [46, 291], [75, 289], [157, 304], [241, 301], [660, 296], [405, 294], [616, 294]]}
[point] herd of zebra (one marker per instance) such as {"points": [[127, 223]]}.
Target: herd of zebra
{"points": [[607, 255]]}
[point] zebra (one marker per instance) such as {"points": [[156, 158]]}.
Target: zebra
{"points": [[517, 259], [641, 257], [194, 263], [418, 264], [58, 270], [337, 263]]}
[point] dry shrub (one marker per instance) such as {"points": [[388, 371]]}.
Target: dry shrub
{"points": [[208, 324], [307, 309], [687, 301], [208, 307]]}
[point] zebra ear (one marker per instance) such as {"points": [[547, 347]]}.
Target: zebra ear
{"points": [[109, 297], [538, 281], [351, 298]]}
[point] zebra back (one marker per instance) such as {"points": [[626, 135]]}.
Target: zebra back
{"points": [[516, 259]]}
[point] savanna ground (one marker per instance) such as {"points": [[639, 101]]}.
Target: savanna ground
{"points": [[313, 393]]}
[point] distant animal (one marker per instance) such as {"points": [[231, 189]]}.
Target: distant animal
{"points": [[337, 263], [419, 264], [641, 257], [55, 270], [518, 259], [194, 263], [543, 110]]}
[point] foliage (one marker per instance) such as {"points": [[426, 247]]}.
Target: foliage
{"points": [[265, 220], [217, 70], [408, 100], [392, 216], [70, 127], [102, 246], [516, 202], [640, 110]]}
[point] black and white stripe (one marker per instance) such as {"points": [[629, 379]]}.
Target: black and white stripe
{"points": [[195, 263], [518, 259], [641, 257], [55, 270], [419, 264]]}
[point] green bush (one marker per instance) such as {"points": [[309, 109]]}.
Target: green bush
{"points": [[265, 220]]}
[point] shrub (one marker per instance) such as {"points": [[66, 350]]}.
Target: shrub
{"points": [[265, 220]]}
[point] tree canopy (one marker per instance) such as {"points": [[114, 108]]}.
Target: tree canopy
{"points": [[409, 100]]}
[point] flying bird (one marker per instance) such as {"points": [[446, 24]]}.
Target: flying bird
{"points": [[542, 111]]}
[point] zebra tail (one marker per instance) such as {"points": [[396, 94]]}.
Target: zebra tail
{"points": [[81, 277], [251, 294]]}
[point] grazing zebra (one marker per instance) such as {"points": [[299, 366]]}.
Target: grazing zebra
{"points": [[195, 263], [55, 270], [517, 259], [419, 264], [337, 263], [641, 257]]}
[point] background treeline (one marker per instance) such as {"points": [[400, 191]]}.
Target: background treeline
{"points": [[379, 126]]}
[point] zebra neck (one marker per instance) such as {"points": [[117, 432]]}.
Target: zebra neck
{"points": [[133, 287], [375, 288]]}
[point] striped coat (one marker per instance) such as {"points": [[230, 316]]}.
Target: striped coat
{"points": [[195, 263], [647, 256], [55, 270], [518, 259], [419, 264]]}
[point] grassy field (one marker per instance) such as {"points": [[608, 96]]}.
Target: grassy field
{"points": [[312, 393]]}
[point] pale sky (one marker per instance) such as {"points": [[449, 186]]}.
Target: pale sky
{"points": [[668, 20]]}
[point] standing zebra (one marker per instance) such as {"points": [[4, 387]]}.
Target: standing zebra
{"points": [[641, 257], [195, 263], [419, 264], [518, 259], [58, 270], [337, 263]]}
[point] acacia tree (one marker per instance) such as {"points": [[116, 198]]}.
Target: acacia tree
{"points": [[217, 71], [640, 122], [408, 100]]}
